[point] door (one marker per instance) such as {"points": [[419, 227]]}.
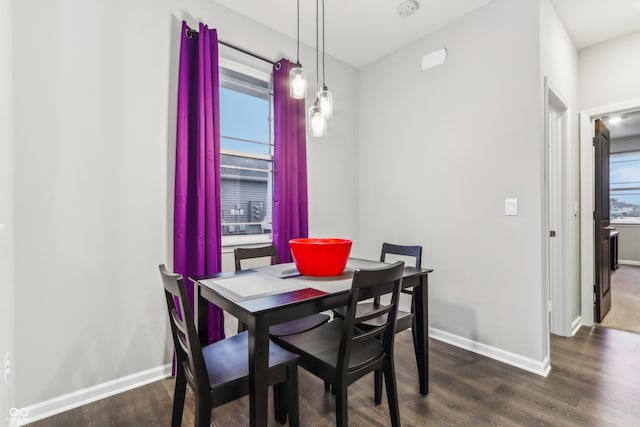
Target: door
{"points": [[556, 139], [602, 261]]}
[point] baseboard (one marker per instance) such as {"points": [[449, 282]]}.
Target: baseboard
{"points": [[575, 325], [537, 367], [628, 262], [78, 398]]}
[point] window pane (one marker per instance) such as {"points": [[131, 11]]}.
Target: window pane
{"points": [[624, 181], [246, 195], [624, 171], [244, 122], [625, 205]]}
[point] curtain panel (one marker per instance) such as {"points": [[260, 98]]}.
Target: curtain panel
{"points": [[197, 239], [290, 201]]}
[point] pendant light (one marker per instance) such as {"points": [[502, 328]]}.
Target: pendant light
{"points": [[297, 78], [325, 96], [317, 122]]}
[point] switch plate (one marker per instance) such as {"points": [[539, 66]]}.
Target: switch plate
{"points": [[511, 207]]}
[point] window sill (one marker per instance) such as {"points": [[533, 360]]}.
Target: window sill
{"points": [[625, 223], [231, 242]]}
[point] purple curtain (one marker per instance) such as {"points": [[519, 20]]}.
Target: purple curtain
{"points": [[290, 203], [197, 227]]}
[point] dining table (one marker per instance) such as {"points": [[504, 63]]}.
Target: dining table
{"points": [[265, 296]]}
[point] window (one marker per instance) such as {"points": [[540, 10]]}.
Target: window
{"points": [[624, 185], [246, 149]]}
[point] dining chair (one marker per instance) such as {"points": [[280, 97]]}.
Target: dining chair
{"points": [[405, 319], [340, 353], [286, 328], [218, 373]]}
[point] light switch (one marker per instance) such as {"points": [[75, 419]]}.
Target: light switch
{"points": [[511, 207]]}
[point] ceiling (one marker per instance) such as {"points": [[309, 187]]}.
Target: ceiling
{"points": [[361, 31], [590, 22], [627, 124], [357, 31]]}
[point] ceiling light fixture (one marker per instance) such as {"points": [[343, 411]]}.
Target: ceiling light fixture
{"points": [[297, 78], [325, 96], [408, 7], [317, 122]]}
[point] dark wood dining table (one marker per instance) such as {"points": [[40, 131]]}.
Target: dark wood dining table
{"points": [[266, 296]]}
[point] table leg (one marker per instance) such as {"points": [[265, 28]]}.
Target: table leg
{"points": [[201, 314], [421, 343], [258, 370]]}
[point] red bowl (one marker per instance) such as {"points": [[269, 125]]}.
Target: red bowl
{"points": [[320, 257]]}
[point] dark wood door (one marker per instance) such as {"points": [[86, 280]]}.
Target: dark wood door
{"points": [[602, 253]]}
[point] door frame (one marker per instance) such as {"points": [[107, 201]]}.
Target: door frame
{"points": [[587, 176], [556, 262]]}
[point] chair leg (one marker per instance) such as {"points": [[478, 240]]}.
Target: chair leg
{"points": [[392, 391], [280, 402], [178, 397], [203, 411], [377, 382], [341, 405], [292, 392]]}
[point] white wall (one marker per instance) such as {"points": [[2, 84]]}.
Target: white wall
{"points": [[440, 151], [559, 63], [608, 72], [6, 208], [628, 143], [95, 132]]}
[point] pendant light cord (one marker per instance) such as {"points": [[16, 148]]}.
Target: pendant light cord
{"points": [[298, 30], [323, 83], [317, 59]]}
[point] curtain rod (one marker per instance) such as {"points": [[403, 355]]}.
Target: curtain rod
{"points": [[190, 34]]}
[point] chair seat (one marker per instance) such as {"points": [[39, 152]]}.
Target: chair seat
{"points": [[298, 325], [227, 361], [322, 344], [405, 319]]}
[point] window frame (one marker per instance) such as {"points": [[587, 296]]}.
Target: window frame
{"points": [[233, 63], [618, 221]]}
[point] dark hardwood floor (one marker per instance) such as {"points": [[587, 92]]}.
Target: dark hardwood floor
{"points": [[594, 381]]}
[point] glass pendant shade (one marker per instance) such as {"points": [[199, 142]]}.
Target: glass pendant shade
{"points": [[326, 102], [297, 82], [317, 122]]}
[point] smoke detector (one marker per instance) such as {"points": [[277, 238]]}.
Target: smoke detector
{"points": [[407, 7]]}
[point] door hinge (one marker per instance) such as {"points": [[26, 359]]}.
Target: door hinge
{"points": [[593, 141], [552, 233], [549, 306], [594, 214]]}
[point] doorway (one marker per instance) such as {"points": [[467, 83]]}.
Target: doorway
{"points": [[556, 136], [625, 196]]}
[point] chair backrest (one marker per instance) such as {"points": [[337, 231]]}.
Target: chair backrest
{"points": [[185, 338], [407, 251], [251, 253], [370, 283]]}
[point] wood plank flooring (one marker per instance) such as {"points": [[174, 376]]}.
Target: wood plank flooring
{"points": [[594, 381]]}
